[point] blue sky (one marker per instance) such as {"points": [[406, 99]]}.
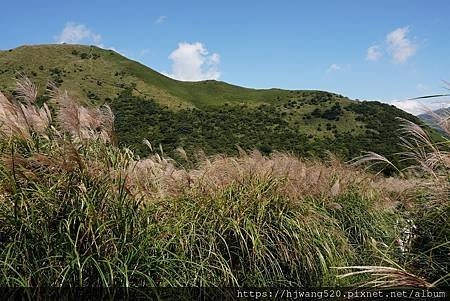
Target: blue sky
{"points": [[375, 50]]}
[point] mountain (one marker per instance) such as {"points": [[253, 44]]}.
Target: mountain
{"points": [[430, 119], [211, 116]]}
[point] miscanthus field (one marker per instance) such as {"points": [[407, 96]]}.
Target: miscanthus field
{"points": [[76, 209]]}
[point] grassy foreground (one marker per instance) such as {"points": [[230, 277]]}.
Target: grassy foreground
{"points": [[77, 210]]}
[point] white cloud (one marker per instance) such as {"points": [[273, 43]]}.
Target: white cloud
{"points": [[374, 53], [214, 59], [410, 106], [416, 107], [399, 46], [192, 62], [338, 68], [78, 33], [161, 19], [333, 68]]}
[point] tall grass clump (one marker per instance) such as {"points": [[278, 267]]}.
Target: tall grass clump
{"points": [[431, 248], [250, 234], [77, 210], [65, 216], [428, 250], [256, 220]]}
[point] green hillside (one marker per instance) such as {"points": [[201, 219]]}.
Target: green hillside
{"points": [[91, 72], [211, 116]]}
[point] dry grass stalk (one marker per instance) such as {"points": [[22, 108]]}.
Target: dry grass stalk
{"points": [[386, 277], [22, 119], [425, 155], [12, 121], [25, 89], [81, 122], [156, 176], [373, 158], [429, 158]]}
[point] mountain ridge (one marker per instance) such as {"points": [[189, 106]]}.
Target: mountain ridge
{"points": [[187, 93]]}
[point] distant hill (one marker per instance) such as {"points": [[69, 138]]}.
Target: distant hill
{"points": [[430, 118], [209, 115]]}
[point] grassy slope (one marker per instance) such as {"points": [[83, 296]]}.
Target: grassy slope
{"points": [[81, 75]]}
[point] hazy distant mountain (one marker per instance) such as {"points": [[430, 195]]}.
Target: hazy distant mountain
{"points": [[430, 119]]}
